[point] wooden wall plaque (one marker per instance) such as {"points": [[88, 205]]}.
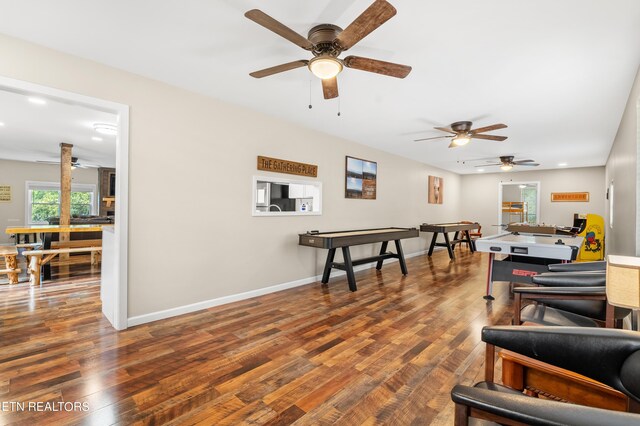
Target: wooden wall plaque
{"points": [[284, 166], [5, 193], [570, 196]]}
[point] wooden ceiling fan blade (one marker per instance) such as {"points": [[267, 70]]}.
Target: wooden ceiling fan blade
{"points": [[526, 164], [492, 164], [523, 161], [435, 137], [489, 137], [261, 18], [377, 66], [489, 128], [279, 68], [444, 129], [374, 16], [330, 88]]}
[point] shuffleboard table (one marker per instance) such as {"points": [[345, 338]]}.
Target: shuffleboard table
{"points": [[526, 255], [346, 239], [444, 229]]}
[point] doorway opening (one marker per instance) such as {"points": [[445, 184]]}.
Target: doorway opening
{"points": [[91, 152], [518, 202]]}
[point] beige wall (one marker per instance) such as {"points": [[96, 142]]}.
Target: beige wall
{"points": [[480, 194], [195, 157], [16, 174], [622, 169]]}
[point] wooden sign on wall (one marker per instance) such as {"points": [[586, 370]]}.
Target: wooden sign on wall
{"points": [[284, 166], [570, 196], [5, 193]]}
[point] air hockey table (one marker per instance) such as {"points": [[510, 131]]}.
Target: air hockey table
{"points": [[346, 239], [525, 255]]}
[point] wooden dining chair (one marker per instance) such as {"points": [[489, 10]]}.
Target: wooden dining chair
{"points": [[474, 235]]}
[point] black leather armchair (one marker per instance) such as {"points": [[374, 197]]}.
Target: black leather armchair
{"points": [[609, 356], [599, 265], [569, 299]]}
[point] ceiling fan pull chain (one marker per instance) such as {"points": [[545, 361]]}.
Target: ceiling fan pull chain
{"points": [[310, 106], [338, 106]]}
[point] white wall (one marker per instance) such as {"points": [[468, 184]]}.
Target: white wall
{"points": [[622, 169], [191, 234], [16, 173], [480, 194]]}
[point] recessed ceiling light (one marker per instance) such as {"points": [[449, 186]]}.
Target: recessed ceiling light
{"points": [[97, 139], [1, 124], [106, 129], [37, 101], [562, 164], [480, 170], [522, 186]]}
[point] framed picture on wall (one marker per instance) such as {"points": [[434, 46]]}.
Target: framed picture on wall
{"points": [[360, 178], [436, 189]]}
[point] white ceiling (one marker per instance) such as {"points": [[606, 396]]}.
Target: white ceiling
{"points": [[33, 132], [557, 72]]}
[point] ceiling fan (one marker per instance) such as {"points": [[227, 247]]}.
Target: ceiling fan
{"points": [[74, 163], [462, 133], [326, 42], [507, 163]]}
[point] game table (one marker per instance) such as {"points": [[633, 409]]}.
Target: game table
{"points": [[346, 239], [445, 229], [526, 255], [525, 228]]}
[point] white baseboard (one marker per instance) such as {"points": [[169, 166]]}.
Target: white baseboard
{"points": [[205, 304]]}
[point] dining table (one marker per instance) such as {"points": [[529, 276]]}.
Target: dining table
{"points": [[46, 232]]}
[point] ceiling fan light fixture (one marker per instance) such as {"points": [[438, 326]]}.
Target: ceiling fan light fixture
{"points": [[325, 66], [506, 167], [461, 140]]}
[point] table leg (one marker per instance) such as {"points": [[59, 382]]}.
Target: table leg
{"points": [[472, 248], [455, 237], [383, 250], [449, 249], [433, 243], [35, 270], [12, 263], [488, 296], [46, 245], [348, 266], [327, 266], [403, 264]]}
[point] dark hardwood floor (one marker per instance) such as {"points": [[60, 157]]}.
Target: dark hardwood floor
{"points": [[386, 354]]}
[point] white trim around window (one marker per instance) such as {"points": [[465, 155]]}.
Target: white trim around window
{"points": [[75, 187]]}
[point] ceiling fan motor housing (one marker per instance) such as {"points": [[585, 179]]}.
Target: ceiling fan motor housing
{"points": [[461, 126], [323, 37]]}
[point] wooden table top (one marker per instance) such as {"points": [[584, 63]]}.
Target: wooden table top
{"points": [[361, 232], [52, 228], [8, 250]]}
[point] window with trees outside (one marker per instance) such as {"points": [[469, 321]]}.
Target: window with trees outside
{"points": [[43, 201]]}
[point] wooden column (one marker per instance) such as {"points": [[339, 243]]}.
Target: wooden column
{"points": [[65, 196]]}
